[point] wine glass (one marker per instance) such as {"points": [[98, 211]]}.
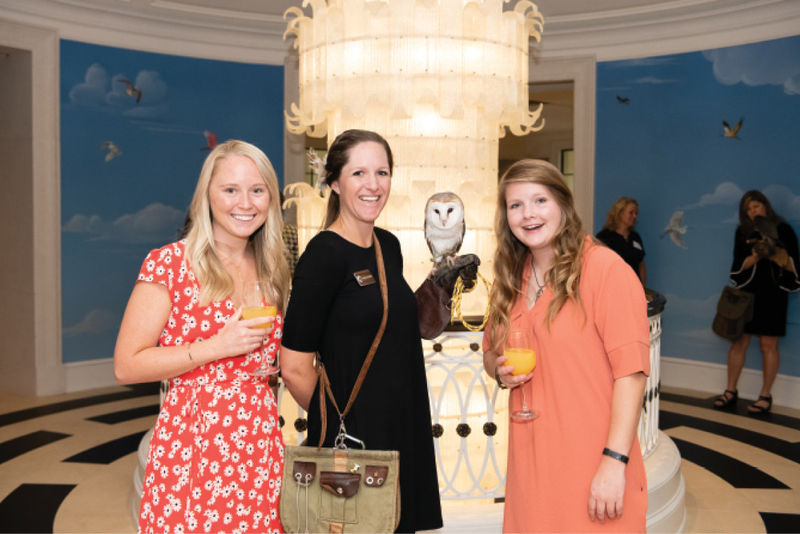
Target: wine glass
{"points": [[253, 300], [521, 355]]}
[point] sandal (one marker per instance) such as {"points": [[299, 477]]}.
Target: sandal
{"points": [[755, 409], [727, 400]]}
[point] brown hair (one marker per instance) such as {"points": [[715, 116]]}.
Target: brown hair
{"points": [[758, 196], [511, 253], [339, 155]]}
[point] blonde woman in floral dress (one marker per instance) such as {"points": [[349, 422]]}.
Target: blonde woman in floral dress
{"points": [[216, 455]]}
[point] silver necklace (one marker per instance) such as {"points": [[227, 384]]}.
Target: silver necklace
{"points": [[540, 287]]}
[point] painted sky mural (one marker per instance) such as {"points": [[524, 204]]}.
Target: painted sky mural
{"points": [[661, 139], [135, 129]]}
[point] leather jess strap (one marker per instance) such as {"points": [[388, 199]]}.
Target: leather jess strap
{"points": [[325, 385]]}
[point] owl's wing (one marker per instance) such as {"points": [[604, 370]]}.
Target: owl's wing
{"points": [[463, 230], [427, 237]]}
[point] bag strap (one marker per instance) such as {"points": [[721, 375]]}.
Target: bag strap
{"points": [[325, 383]]}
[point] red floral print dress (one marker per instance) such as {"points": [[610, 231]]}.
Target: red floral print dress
{"points": [[216, 455]]}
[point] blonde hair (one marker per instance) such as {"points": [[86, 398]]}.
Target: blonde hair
{"points": [[267, 242], [613, 214], [511, 253]]}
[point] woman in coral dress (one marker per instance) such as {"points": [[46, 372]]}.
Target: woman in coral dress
{"points": [[216, 455], [577, 466]]}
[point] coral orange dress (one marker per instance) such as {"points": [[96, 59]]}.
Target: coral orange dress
{"points": [[216, 456], [553, 459]]}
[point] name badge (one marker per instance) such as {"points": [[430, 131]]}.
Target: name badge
{"points": [[364, 278], [637, 245]]}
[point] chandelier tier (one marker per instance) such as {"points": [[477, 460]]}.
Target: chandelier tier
{"points": [[441, 80]]}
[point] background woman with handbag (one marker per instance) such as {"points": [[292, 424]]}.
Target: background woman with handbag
{"points": [[576, 467], [216, 455], [765, 261], [619, 235], [334, 312]]}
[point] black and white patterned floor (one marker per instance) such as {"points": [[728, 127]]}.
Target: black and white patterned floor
{"points": [[67, 462]]}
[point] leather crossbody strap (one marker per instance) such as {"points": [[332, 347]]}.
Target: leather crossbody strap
{"points": [[325, 385]]}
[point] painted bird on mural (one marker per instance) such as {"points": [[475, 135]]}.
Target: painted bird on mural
{"points": [[113, 150], [131, 90], [623, 99], [211, 140], [676, 229], [729, 132], [444, 226]]}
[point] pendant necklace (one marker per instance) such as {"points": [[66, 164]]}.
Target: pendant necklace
{"points": [[540, 287]]}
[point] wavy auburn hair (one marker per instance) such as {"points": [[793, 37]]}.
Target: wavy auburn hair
{"points": [[267, 242], [511, 253]]}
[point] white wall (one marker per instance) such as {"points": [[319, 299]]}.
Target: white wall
{"points": [[30, 321]]}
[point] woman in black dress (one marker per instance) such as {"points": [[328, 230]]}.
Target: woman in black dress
{"points": [[765, 260], [335, 314], [618, 235]]}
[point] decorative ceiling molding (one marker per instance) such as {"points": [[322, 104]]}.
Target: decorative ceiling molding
{"points": [[160, 26], [669, 28], [252, 31]]}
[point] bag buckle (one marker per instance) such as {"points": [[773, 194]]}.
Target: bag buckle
{"points": [[342, 436]]}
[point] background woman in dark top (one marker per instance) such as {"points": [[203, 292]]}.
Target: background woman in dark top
{"points": [[332, 314], [764, 263], [618, 235]]}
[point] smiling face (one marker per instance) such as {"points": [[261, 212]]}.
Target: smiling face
{"points": [[627, 217], [238, 199], [533, 215], [364, 183]]}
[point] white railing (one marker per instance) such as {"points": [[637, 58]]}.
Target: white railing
{"points": [[648, 421], [470, 418]]}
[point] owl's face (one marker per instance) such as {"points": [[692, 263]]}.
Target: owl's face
{"points": [[444, 213]]}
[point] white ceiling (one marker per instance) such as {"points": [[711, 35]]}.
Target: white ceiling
{"points": [[251, 30]]}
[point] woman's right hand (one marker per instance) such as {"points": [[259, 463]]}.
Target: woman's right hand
{"points": [[240, 336]]}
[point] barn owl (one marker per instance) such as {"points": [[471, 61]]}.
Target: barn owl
{"points": [[444, 225]]}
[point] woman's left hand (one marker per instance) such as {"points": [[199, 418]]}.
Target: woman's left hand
{"points": [[503, 372], [607, 490]]}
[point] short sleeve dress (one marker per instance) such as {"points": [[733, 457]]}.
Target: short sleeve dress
{"points": [[331, 314], [552, 460], [216, 456], [768, 282]]}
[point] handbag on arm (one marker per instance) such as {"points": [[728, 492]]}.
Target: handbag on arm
{"points": [[734, 310], [339, 489]]}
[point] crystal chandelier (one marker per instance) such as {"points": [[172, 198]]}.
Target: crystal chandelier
{"points": [[441, 80]]}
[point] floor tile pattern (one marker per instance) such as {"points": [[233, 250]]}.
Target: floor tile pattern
{"points": [[67, 463]]}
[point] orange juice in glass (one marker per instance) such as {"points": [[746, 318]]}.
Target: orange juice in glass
{"points": [[251, 312], [253, 300], [523, 360], [521, 355]]}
